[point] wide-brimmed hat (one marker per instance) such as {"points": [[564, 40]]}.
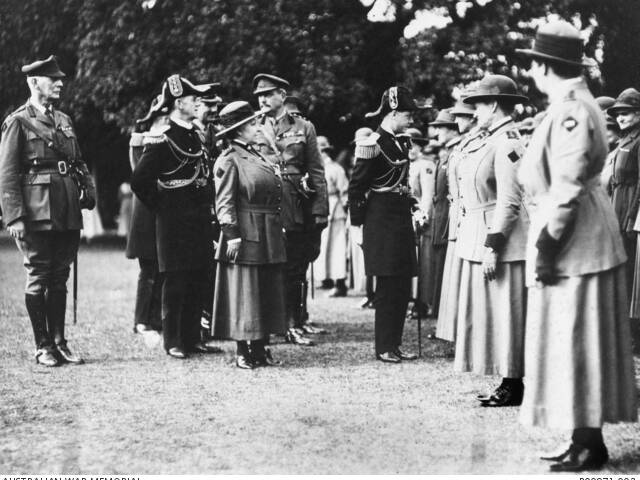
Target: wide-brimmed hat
{"points": [[235, 115], [264, 82], [156, 109], [495, 87], [294, 104], [415, 135], [605, 102], [396, 98], [629, 99], [445, 119], [558, 41], [44, 68], [462, 109]]}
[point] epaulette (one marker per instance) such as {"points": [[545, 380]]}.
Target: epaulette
{"points": [[368, 148], [154, 139], [136, 140]]}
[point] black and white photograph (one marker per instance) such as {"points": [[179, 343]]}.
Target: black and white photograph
{"points": [[319, 237]]}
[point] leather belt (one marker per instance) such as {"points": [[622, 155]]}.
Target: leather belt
{"points": [[60, 167], [482, 207], [400, 189], [259, 208]]}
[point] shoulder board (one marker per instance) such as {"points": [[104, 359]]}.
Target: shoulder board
{"points": [[154, 139], [369, 147]]}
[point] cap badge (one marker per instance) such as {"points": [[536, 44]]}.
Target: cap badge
{"points": [[393, 98], [175, 85]]}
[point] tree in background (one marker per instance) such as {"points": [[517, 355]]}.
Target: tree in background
{"points": [[338, 54]]}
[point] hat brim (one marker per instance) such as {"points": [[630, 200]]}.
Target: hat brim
{"points": [[496, 96], [527, 52], [461, 113], [621, 106], [443, 124], [260, 91]]}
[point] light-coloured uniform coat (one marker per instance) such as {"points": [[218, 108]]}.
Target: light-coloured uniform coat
{"points": [[491, 315], [332, 262], [579, 369]]}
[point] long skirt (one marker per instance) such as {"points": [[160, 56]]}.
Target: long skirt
{"points": [[579, 367], [491, 321], [431, 271], [332, 262], [248, 302], [448, 307], [635, 292]]}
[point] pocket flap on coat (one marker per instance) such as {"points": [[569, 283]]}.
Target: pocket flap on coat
{"points": [[36, 179]]}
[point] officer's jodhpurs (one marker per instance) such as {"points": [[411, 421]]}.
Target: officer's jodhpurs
{"points": [[47, 258], [391, 300]]}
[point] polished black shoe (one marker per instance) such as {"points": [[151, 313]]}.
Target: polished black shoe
{"points": [[244, 362], [558, 455], [176, 352], [485, 397], [311, 329], [46, 358], [367, 303], [338, 292], [266, 360], [388, 357], [67, 356], [404, 355], [296, 337], [202, 347], [505, 396], [581, 458], [326, 284], [141, 327]]}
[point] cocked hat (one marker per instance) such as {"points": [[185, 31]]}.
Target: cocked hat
{"points": [[558, 41], [176, 87], [361, 134], [396, 98], [264, 82], [157, 109], [44, 68], [495, 87]]}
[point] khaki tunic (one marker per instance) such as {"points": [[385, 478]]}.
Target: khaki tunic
{"points": [[579, 368]]}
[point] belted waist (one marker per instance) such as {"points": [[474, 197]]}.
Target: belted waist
{"points": [[481, 207], [247, 207], [60, 167], [400, 189]]}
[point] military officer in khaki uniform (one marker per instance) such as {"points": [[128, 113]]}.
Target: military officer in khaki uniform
{"points": [[579, 367], [289, 142], [43, 186]]}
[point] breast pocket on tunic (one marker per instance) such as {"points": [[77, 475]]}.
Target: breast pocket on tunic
{"points": [[34, 147], [293, 146]]}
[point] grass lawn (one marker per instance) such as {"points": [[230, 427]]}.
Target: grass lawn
{"points": [[331, 409]]}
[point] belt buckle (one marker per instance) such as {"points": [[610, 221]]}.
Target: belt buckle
{"points": [[62, 167]]}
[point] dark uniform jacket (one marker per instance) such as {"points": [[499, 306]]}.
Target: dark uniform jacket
{"points": [[141, 240], [173, 180], [379, 199], [248, 198], [439, 213], [291, 144], [625, 179], [33, 185]]}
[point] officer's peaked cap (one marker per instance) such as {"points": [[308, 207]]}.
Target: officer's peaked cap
{"points": [[264, 82], [44, 68]]}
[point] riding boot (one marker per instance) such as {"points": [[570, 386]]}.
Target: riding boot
{"points": [[56, 309], [36, 307]]}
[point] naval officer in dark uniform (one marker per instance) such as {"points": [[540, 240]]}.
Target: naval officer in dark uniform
{"points": [[173, 179], [43, 186], [289, 142], [380, 201]]}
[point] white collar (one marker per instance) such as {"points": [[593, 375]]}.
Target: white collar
{"points": [[182, 123]]}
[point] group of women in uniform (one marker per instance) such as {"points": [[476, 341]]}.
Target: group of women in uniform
{"points": [[540, 261]]}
